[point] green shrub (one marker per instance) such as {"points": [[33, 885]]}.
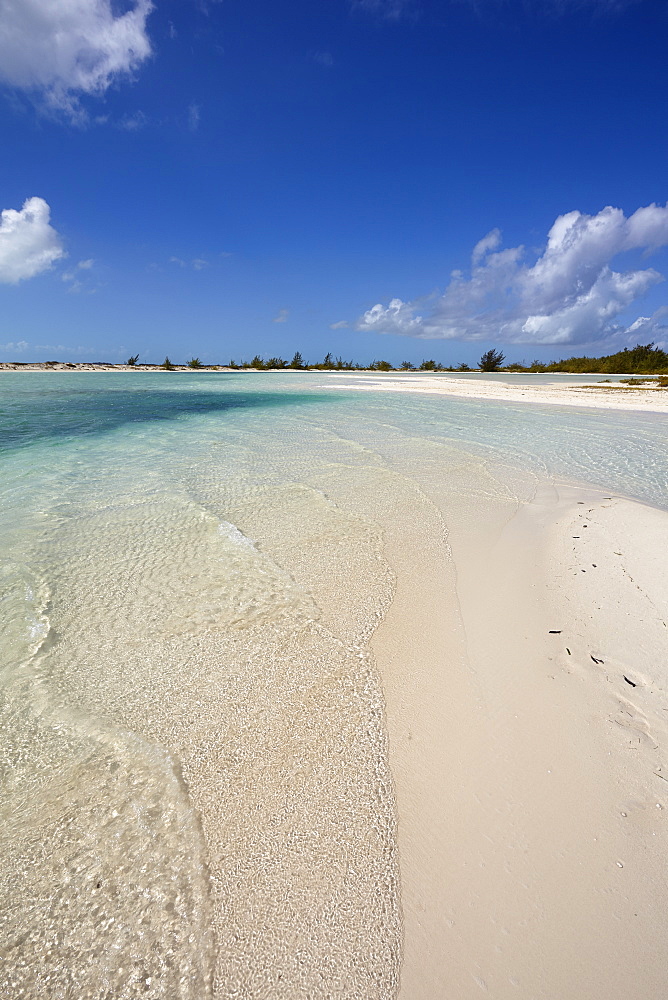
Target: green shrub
{"points": [[491, 361]]}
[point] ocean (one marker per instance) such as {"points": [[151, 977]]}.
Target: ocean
{"points": [[197, 799]]}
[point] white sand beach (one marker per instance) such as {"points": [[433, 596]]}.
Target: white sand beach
{"points": [[597, 394], [529, 743]]}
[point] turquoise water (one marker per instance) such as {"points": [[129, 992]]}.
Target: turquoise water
{"points": [[197, 800], [624, 451]]}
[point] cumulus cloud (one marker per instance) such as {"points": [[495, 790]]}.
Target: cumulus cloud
{"points": [[483, 246], [64, 48], [341, 325], [654, 327], [281, 316], [28, 243], [569, 294]]}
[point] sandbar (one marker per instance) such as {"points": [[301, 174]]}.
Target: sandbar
{"points": [[597, 394]]}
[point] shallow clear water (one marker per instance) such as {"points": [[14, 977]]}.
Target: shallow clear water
{"points": [[196, 792]]}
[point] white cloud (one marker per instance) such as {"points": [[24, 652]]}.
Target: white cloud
{"points": [[569, 294], [64, 48], [53, 348], [398, 317], [21, 346], [647, 328], [483, 246], [15, 348], [197, 264], [341, 325], [323, 58], [193, 117], [282, 316], [129, 123], [73, 277], [83, 265], [28, 243]]}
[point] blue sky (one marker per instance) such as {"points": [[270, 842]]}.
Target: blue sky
{"points": [[224, 178]]}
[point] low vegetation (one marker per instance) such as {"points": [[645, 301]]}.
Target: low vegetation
{"points": [[491, 361], [643, 359]]}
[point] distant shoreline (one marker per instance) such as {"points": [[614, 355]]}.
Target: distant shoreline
{"points": [[108, 366], [105, 366]]}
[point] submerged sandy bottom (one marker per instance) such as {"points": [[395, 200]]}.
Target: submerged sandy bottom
{"points": [[340, 715]]}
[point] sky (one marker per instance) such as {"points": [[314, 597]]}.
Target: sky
{"points": [[378, 179]]}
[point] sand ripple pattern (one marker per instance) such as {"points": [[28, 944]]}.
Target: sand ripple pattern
{"points": [[220, 765]]}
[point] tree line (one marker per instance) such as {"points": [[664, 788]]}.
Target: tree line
{"points": [[643, 359], [490, 361]]}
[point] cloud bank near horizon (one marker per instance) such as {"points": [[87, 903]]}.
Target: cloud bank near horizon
{"points": [[569, 295], [28, 242], [61, 50]]}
